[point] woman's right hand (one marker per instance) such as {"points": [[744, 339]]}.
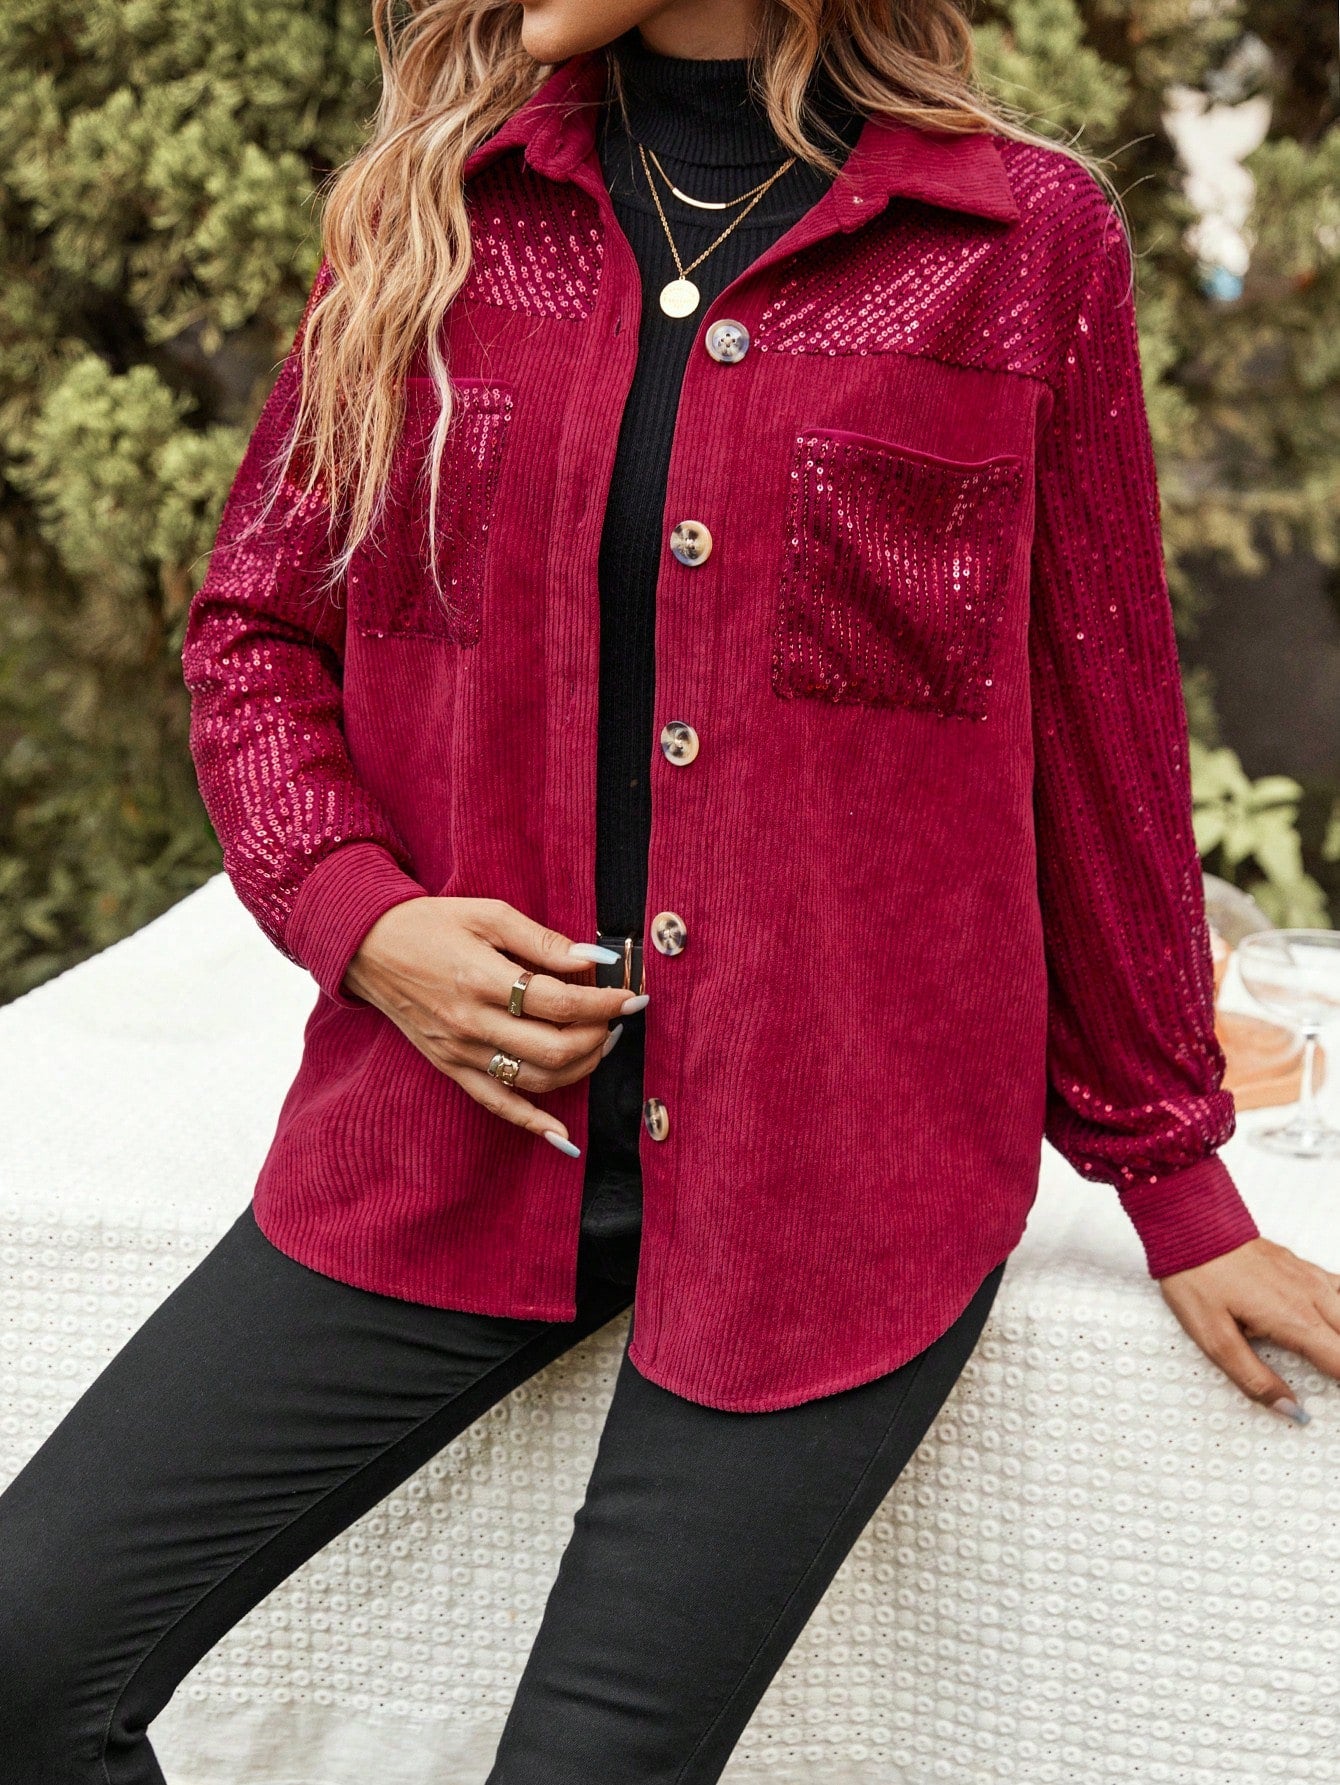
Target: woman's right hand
{"points": [[441, 969]]}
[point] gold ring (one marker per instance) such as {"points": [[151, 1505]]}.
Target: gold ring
{"points": [[504, 1067], [516, 998]]}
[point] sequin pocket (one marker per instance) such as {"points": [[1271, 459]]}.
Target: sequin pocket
{"points": [[895, 574], [398, 585]]}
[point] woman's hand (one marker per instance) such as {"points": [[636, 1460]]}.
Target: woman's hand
{"points": [[1260, 1291], [441, 969]]}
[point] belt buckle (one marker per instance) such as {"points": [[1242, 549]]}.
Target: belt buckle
{"points": [[633, 944], [629, 949]]}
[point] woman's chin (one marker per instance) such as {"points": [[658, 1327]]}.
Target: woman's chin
{"points": [[553, 30], [554, 39]]}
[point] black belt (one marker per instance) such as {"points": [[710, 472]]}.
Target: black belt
{"points": [[628, 972]]}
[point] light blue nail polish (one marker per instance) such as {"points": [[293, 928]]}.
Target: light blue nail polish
{"points": [[614, 1035], [629, 1005], [592, 951], [564, 1146], [1289, 1409]]}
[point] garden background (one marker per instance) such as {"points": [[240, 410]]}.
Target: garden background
{"points": [[159, 165]]}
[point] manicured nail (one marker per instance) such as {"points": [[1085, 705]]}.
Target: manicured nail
{"points": [[614, 1035], [1289, 1409], [592, 951], [562, 1143], [629, 1005]]}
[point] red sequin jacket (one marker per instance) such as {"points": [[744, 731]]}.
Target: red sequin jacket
{"points": [[933, 857]]}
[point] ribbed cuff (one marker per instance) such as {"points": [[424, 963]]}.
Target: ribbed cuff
{"points": [[337, 905], [1188, 1217]]}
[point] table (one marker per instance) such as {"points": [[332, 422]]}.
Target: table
{"points": [[1103, 1564]]}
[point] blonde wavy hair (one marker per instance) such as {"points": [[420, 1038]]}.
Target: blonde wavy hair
{"points": [[396, 229]]}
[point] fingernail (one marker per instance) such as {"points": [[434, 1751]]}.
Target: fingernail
{"points": [[629, 1005], [1289, 1409], [614, 1035], [592, 951], [563, 1145]]}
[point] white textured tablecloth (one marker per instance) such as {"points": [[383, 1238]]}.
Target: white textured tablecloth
{"points": [[1102, 1564]]}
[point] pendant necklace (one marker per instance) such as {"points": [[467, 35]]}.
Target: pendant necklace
{"points": [[681, 296], [713, 204]]}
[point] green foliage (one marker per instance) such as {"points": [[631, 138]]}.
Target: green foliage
{"points": [[159, 162], [91, 468], [1248, 832], [1036, 57]]}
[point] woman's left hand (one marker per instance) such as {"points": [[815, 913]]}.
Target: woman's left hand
{"points": [[1260, 1291]]}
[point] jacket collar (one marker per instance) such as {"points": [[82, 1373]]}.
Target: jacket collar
{"points": [[555, 129]]}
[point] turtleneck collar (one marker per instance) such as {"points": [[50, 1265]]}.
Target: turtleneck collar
{"points": [[708, 113]]}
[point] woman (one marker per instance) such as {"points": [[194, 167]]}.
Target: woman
{"points": [[730, 503]]}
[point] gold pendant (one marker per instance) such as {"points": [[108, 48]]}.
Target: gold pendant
{"points": [[679, 297], [705, 204]]}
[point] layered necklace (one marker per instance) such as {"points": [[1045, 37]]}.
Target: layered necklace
{"points": [[681, 296]]}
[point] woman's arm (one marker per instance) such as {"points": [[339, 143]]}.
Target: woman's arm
{"points": [[1135, 1092], [1135, 1097], [312, 855]]}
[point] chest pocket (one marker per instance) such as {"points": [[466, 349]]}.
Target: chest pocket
{"points": [[395, 589], [895, 575]]}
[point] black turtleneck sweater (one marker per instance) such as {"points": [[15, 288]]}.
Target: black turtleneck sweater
{"points": [[714, 140]]}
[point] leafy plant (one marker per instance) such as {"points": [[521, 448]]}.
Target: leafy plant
{"points": [[1247, 831]]}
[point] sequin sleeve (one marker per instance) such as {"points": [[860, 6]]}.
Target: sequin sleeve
{"points": [[310, 852], [1135, 1096]]}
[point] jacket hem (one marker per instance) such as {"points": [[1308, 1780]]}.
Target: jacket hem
{"points": [[375, 1284], [677, 1384]]}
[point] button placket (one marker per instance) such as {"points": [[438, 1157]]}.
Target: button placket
{"points": [[691, 545], [669, 932]]}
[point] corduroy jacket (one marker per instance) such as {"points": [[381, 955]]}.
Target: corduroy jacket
{"points": [[933, 857]]}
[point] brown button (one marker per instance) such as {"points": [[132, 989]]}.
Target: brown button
{"points": [[691, 543], [679, 742], [669, 932], [727, 341], [655, 1118]]}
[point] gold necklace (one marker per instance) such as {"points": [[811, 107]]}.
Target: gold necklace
{"points": [[680, 297], [707, 204]]}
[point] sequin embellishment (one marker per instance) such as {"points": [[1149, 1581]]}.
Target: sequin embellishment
{"points": [[392, 590], [538, 246], [949, 287], [895, 575]]}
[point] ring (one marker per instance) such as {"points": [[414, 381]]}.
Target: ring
{"points": [[517, 996], [504, 1067]]}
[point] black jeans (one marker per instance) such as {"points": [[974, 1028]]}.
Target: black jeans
{"points": [[263, 1407]]}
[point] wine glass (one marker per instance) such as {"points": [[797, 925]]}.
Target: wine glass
{"points": [[1295, 975]]}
